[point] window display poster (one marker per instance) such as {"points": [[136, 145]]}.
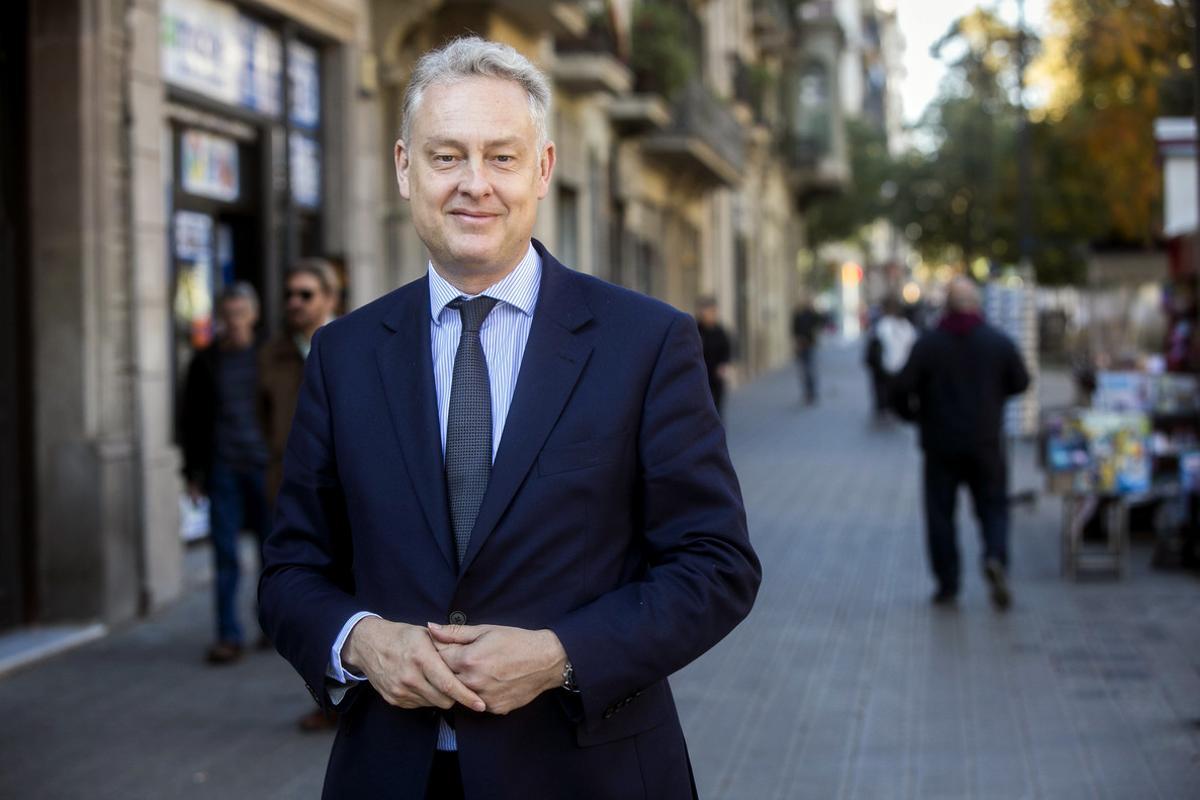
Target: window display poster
{"points": [[304, 74], [261, 68], [200, 50], [1123, 391], [209, 47], [305, 162], [1176, 394], [209, 165], [1119, 444], [1189, 471], [193, 303]]}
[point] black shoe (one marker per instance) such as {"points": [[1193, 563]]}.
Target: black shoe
{"points": [[997, 578], [318, 720], [944, 597], [223, 653]]}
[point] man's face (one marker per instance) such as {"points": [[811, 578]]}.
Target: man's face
{"points": [[307, 305], [238, 318], [474, 174], [708, 315]]}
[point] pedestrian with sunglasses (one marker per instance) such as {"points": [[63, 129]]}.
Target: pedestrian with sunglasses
{"points": [[311, 291]]}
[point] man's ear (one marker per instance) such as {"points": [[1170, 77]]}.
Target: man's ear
{"points": [[402, 165], [546, 169]]}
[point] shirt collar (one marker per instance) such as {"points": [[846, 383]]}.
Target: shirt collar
{"points": [[519, 288]]}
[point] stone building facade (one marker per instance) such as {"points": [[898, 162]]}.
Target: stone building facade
{"points": [[160, 148]]}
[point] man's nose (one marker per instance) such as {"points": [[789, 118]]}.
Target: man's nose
{"points": [[474, 181]]}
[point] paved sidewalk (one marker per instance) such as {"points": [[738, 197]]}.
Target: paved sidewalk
{"points": [[843, 683]]}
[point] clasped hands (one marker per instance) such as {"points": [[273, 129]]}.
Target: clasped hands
{"points": [[490, 668]]}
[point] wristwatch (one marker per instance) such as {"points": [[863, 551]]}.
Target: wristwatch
{"points": [[569, 679]]}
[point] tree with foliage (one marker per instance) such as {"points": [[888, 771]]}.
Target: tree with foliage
{"points": [[1111, 67], [843, 217], [956, 201]]}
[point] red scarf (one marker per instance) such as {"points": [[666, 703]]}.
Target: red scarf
{"points": [[960, 323]]}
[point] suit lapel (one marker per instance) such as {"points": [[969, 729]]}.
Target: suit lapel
{"points": [[406, 369], [554, 358]]}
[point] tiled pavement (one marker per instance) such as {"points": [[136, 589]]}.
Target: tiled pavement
{"points": [[843, 683]]}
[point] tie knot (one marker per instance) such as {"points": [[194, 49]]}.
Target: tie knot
{"points": [[474, 312]]}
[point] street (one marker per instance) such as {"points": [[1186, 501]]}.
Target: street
{"points": [[844, 682]]}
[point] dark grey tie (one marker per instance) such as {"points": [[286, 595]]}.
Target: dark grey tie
{"points": [[469, 424]]}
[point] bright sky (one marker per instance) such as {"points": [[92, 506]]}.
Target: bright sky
{"points": [[924, 21]]}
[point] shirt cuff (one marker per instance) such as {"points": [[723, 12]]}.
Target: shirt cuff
{"points": [[335, 671]]}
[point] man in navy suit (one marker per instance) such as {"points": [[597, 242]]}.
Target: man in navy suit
{"points": [[508, 512]]}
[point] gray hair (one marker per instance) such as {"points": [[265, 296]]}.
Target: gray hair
{"points": [[963, 295], [239, 290], [471, 56], [320, 269]]}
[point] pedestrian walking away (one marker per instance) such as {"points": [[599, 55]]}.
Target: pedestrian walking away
{"points": [[891, 340], [507, 512], [224, 453], [717, 349], [806, 333], [955, 386]]}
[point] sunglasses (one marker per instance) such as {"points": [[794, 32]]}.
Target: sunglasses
{"points": [[303, 294]]}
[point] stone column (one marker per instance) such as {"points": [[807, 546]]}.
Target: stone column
{"points": [[94, 344]]}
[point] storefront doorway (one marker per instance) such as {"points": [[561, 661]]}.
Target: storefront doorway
{"points": [[216, 232]]}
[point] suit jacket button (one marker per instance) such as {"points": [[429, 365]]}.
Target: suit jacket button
{"points": [[458, 618]]}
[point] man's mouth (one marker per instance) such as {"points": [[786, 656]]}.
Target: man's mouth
{"points": [[472, 216]]}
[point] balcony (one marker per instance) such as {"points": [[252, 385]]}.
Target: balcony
{"points": [[591, 62], [814, 168], [633, 114], [772, 25], [581, 72], [557, 18], [703, 138]]}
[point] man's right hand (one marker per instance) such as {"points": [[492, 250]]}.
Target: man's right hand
{"points": [[403, 665]]}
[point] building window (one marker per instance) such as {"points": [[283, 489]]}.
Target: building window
{"points": [[812, 120]]}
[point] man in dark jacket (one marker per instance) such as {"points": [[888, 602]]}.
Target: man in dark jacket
{"points": [[224, 452], [806, 331], [955, 386], [717, 349]]}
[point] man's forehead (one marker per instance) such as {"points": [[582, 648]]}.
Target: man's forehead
{"points": [[472, 108]]}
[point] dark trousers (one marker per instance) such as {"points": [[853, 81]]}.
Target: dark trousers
{"points": [[445, 781], [986, 475], [881, 385], [237, 499], [807, 359], [717, 386]]}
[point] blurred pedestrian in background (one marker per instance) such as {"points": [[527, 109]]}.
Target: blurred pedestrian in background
{"points": [[954, 386], [891, 341], [311, 289], [224, 452], [806, 332], [717, 347]]}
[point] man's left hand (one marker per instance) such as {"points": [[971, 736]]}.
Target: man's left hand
{"points": [[507, 667]]}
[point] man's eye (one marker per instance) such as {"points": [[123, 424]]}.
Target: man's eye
{"points": [[442, 158], [506, 159]]}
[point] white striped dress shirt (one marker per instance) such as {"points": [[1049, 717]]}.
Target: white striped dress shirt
{"points": [[503, 335]]}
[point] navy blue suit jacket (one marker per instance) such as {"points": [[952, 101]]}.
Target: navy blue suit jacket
{"points": [[613, 517]]}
